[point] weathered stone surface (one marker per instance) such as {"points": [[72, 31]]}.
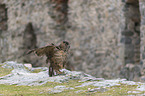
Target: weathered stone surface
{"points": [[131, 72], [98, 90], [131, 1], [126, 40], [132, 24], [13, 65], [3, 17], [20, 76], [137, 42], [127, 33], [142, 79], [142, 28]]}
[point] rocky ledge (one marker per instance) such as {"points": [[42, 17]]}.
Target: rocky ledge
{"points": [[23, 74]]}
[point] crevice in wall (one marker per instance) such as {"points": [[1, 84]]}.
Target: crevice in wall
{"points": [[3, 17], [59, 14], [131, 32], [3, 29], [29, 41], [131, 40], [29, 37]]}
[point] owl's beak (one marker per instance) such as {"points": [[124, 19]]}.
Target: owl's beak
{"points": [[67, 48]]}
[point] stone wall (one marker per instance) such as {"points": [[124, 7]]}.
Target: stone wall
{"points": [[142, 29], [20, 13], [94, 36], [93, 29], [3, 30]]}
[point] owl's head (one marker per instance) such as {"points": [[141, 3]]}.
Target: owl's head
{"points": [[64, 45]]}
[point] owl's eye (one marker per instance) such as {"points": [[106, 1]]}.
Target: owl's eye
{"points": [[66, 42]]}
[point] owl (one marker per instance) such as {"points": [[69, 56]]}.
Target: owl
{"points": [[56, 55]]}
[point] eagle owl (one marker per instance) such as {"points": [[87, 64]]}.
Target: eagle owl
{"points": [[56, 55]]}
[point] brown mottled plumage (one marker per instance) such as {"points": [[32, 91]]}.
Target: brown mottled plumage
{"points": [[56, 55]]}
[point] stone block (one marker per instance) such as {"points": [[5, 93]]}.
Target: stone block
{"points": [[126, 40], [127, 33], [137, 42], [132, 1], [143, 55]]}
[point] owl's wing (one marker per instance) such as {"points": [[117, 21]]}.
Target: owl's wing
{"points": [[43, 50]]}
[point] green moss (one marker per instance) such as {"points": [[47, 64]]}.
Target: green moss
{"points": [[120, 90], [4, 71], [36, 71], [10, 90]]}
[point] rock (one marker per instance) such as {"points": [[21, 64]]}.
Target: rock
{"points": [[126, 40], [75, 75], [141, 87], [127, 33], [142, 78], [55, 91], [131, 1], [86, 84], [128, 82], [131, 72], [133, 92], [59, 87], [98, 90], [21, 76], [103, 83], [28, 65], [13, 65], [62, 87], [88, 77], [79, 91], [39, 68], [41, 92]]}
